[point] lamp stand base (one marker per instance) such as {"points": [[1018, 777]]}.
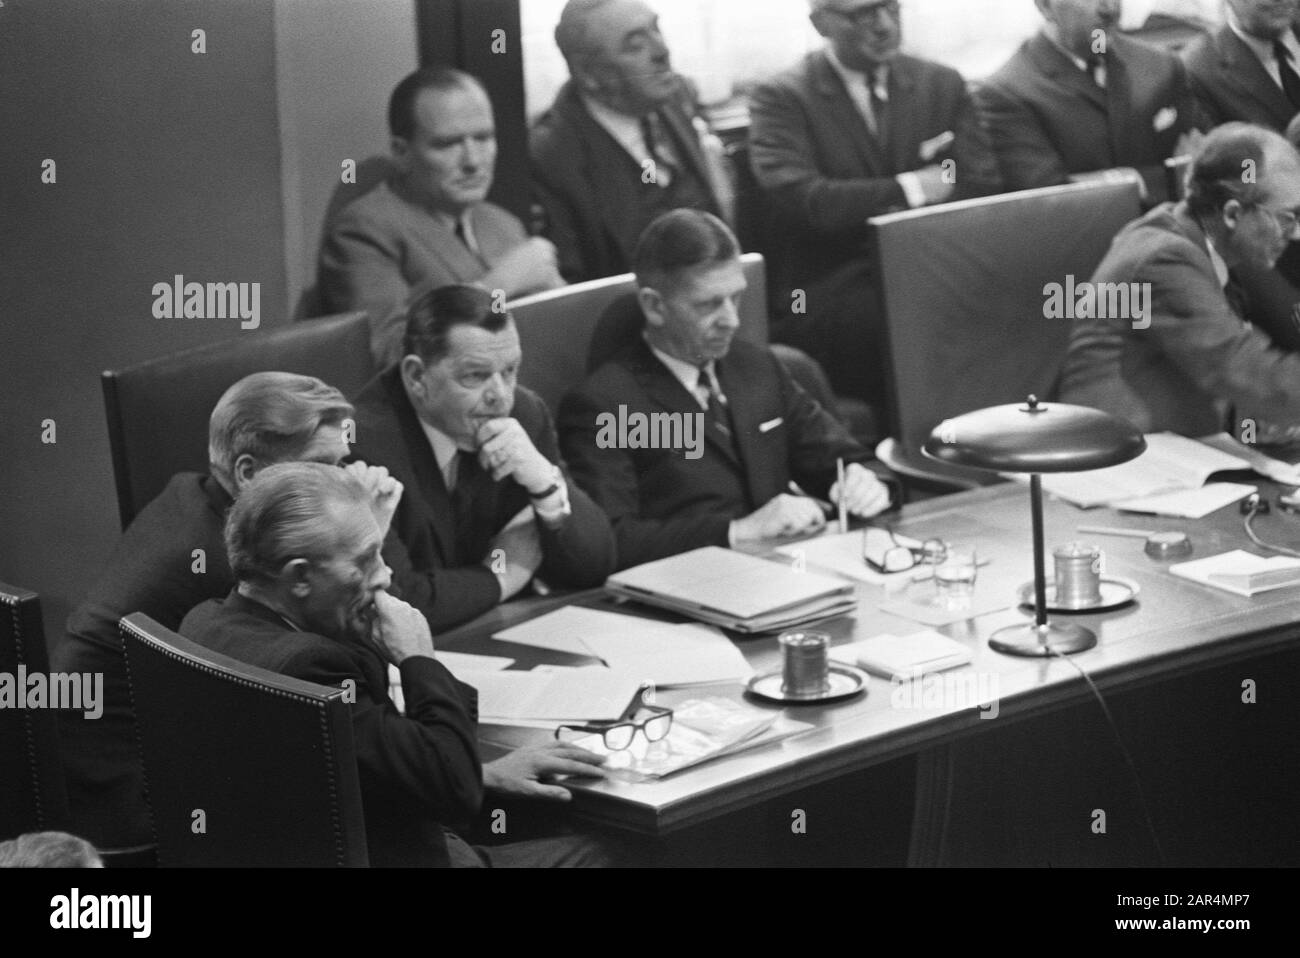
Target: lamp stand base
{"points": [[1040, 641]]}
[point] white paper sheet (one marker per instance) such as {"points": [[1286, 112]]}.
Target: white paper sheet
{"points": [[658, 652], [580, 694], [1189, 503]]}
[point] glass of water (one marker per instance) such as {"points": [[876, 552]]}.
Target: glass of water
{"points": [[954, 577]]}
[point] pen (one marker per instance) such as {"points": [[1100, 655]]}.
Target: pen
{"points": [[844, 515]]}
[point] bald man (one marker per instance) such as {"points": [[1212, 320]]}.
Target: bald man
{"points": [[1190, 359]]}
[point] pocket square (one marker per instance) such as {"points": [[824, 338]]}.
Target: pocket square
{"points": [[770, 424], [936, 144], [1165, 119]]}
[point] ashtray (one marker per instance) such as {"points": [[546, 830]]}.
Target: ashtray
{"points": [[845, 682], [1115, 592]]}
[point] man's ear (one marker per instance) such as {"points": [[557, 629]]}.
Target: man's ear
{"points": [[1232, 212], [244, 470], [400, 148], [652, 305], [412, 370], [295, 575]]}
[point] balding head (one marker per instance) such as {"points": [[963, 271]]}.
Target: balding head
{"points": [[1244, 189]]}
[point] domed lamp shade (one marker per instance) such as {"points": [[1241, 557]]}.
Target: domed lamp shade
{"points": [[1035, 438]]}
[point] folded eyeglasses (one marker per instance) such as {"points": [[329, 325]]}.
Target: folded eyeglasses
{"points": [[618, 734]]}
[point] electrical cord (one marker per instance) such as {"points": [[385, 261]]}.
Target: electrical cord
{"points": [[1128, 758], [1248, 522]]}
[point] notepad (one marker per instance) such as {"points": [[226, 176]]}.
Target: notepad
{"points": [[904, 657], [1241, 572], [586, 694], [734, 590]]}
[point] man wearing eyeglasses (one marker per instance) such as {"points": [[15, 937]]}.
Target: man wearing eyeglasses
{"points": [[1191, 358], [855, 130], [1080, 101]]}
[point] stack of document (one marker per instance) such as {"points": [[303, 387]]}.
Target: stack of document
{"points": [[703, 729], [1241, 572], [734, 590], [1169, 479]]}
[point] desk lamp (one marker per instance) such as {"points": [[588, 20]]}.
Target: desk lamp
{"points": [[1035, 438]]}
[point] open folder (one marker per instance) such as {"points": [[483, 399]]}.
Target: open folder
{"points": [[736, 591]]}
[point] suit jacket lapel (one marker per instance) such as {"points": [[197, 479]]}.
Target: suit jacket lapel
{"points": [[1052, 61], [666, 390], [424, 466], [687, 142], [1243, 70], [745, 408], [840, 107]]}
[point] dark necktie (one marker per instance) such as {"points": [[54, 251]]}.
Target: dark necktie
{"points": [[879, 106], [468, 473], [1290, 81], [652, 131], [718, 414]]}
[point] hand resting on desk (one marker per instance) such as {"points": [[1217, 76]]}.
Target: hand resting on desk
{"points": [[521, 772]]}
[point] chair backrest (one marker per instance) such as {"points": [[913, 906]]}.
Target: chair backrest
{"points": [[158, 410], [556, 327], [265, 762], [962, 293], [33, 797]]}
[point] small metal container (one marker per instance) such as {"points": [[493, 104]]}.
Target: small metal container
{"points": [[1078, 575]]}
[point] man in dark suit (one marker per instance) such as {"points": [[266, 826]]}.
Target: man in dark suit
{"points": [[746, 428], [430, 223], [487, 502], [171, 558], [1189, 357], [311, 602], [621, 144], [1249, 68], [854, 131], [1080, 101]]}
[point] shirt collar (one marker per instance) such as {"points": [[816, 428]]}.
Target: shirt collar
{"points": [[688, 374], [626, 130], [444, 447], [879, 78], [1077, 60], [1259, 46], [1220, 267]]}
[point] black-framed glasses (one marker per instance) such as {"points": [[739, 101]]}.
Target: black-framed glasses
{"points": [[898, 557], [870, 15], [1287, 219], [618, 734]]}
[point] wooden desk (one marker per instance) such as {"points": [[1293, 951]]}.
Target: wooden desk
{"points": [[984, 779]]}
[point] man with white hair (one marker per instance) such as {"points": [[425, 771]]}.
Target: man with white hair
{"points": [[621, 144], [171, 558], [312, 602]]}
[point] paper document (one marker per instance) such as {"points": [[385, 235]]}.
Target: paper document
{"points": [[584, 694], [1189, 503], [659, 652], [1241, 572], [1288, 474], [734, 590], [1170, 463]]}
